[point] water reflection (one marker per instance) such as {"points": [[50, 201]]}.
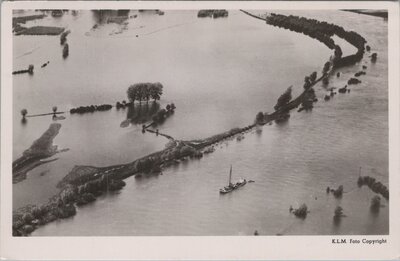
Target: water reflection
{"points": [[337, 220], [140, 113]]}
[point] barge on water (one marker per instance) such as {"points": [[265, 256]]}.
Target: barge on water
{"points": [[232, 186]]}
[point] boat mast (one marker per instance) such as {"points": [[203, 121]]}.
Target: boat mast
{"points": [[230, 175]]}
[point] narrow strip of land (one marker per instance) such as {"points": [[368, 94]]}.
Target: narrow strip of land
{"points": [[41, 149]]}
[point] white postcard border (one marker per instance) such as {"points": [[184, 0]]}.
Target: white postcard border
{"points": [[203, 247]]}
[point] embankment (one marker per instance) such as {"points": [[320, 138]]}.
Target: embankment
{"points": [[40, 30], [321, 31], [377, 13], [41, 149]]}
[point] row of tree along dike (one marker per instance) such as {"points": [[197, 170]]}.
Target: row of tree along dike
{"points": [[375, 186], [323, 32], [286, 103]]}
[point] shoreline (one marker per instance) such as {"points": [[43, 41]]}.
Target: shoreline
{"points": [[83, 183], [376, 13], [40, 149]]}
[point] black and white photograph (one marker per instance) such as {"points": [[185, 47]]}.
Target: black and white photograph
{"points": [[130, 122]]}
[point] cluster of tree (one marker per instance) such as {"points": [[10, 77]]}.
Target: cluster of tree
{"points": [[282, 118], [325, 71], [57, 13], [301, 212], [260, 118], [338, 212], [122, 105], [309, 80], [338, 193], [213, 13], [374, 56], [85, 199], [308, 100], [353, 81], [63, 41], [343, 89], [65, 52], [24, 112], [147, 164], [157, 11], [162, 114], [375, 186], [326, 68], [357, 74], [91, 108], [63, 37], [30, 69], [325, 80], [284, 99], [337, 55], [87, 192], [144, 92], [54, 109]]}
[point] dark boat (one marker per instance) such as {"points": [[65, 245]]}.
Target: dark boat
{"points": [[232, 186]]}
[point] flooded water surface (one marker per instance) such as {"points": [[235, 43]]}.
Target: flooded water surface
{"points": [[219, 73]]}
